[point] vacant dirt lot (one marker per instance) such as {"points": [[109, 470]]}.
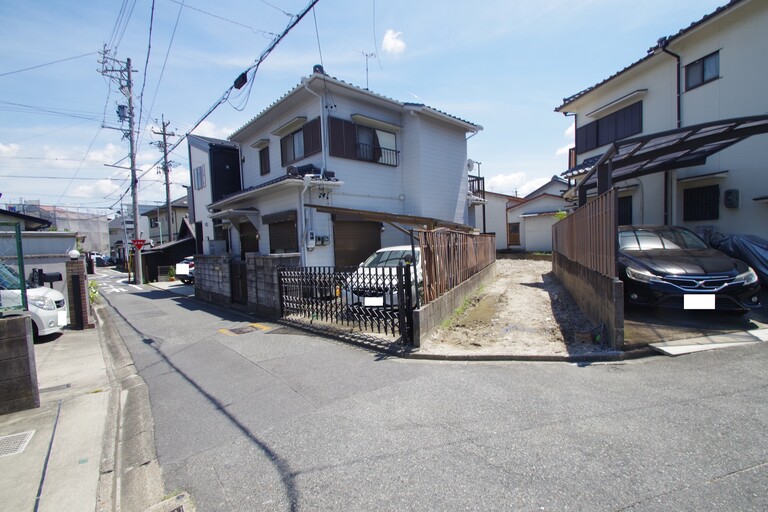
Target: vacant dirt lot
{"points": [[525, 311]]}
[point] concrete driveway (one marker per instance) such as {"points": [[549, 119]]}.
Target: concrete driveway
{"points": [[645, 326]]}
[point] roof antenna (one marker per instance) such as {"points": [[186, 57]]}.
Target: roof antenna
{"points": [[367, 56]]}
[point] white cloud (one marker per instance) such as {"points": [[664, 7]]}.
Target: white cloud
{"points": [[564, 150], [515, 183], [9, 149], [208, 129], [570, 132], [392, 43]]}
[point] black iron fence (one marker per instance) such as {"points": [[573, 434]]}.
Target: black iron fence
{"points": [[376, 300]]}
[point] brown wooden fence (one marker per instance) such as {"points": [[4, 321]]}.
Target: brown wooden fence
{"points": [[588, 235], [449, 258]]}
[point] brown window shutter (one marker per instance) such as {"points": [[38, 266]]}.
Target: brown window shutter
{"points": [[343, 141], [312, 137], [285, 158]]}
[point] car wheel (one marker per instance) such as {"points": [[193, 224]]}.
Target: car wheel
{"points": [[35, 332]]}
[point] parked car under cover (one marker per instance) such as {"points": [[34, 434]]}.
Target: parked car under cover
{"points": [[670, 266]]}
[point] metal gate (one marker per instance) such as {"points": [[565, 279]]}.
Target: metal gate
{"points": [[375, 300], [239, 280]]}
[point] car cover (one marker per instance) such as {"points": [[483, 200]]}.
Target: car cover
{"points": [[750, 249]]}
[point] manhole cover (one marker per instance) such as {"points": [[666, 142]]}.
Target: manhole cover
{"points": [[245, 329], [15, 443]]}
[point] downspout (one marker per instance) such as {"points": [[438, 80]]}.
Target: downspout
{"points": [[663, 45], [307, 184]]}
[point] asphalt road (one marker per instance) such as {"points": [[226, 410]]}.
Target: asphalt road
{"points": [[278, 420]]}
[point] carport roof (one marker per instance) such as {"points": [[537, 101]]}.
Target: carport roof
{"points": [[390, 218], [673, 149]]}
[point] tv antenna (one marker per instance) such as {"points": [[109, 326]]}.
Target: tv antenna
{"points": [[367, 56]]}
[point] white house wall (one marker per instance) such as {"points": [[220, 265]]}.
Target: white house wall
{"points": [[739, 36], [202, 197], [495, 218]]}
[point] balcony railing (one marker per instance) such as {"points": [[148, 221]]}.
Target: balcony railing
{"points": [[377, 154]]}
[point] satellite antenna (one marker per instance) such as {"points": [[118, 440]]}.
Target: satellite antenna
{"points": [[470, 165]]}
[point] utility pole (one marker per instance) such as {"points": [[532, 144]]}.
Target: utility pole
{"points": [[166, 169], [122, 75]]}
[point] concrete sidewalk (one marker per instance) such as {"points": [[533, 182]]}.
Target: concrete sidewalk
{"points": [[90, 444], [60, 466]]}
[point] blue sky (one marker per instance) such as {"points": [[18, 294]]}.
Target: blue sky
{"points": [[503, 64]]}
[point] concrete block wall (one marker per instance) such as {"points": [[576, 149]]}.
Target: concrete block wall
{"points": [[263, 282], [431, 315], [213, 281], [600, 297], [18, 373]]}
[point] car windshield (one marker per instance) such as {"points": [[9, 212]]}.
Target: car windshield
{"points": [[652, 239], [388, 258]]}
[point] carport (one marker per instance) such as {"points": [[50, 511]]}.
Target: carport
{"points": [[586, 243]]}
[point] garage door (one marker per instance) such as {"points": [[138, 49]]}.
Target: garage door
{"points": [[355, 240]]}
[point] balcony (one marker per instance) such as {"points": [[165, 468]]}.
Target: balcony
{"points": [[377, 154]]}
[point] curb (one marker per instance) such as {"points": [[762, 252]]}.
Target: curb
{"points": [[131, 478], [406, 353]]}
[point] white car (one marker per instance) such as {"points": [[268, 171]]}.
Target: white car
{"points": [[372, 284], [46, 306]]}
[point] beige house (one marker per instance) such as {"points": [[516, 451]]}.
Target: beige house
{"points": [[711, 72]]}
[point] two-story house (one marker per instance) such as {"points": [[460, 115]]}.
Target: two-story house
{"points": [[333, 172], [530, 219], [158, 220], [712, 71]]}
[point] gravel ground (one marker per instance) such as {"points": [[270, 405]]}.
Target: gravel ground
{"points": [[524, 311]]}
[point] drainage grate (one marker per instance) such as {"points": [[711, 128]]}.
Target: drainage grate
{"points": [[15, 443]]}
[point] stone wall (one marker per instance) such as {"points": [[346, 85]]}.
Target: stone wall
{"points": [[429, 316], [600, 297], [18, 373]]}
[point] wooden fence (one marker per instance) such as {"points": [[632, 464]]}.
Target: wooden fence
{"points": [[449, 258], [588, 235]]}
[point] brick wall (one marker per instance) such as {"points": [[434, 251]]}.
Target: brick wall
{"points": [[213, 279], [76, 272]]}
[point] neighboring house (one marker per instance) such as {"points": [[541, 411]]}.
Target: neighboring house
{"points": [[121, 229], [9, 218], [491, 216], [332, 172], [710, 71], [46, 250], [158, 221], [215, 168], [530, 219]]}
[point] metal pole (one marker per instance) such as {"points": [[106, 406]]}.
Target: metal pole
{"points": [[134, 181]]}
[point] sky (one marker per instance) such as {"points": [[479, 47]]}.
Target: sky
{"points": [[502, 64]]}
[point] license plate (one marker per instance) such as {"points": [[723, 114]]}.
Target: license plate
{"points": [[373, 301], [63, 320], [697, 301]]}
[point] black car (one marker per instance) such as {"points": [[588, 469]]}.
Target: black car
{"points": [[670, 266]]}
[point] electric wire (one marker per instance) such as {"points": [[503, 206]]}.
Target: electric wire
{"points": [[254, 30], [224, 97], [146, 62], [87, 152], [48, 64]]}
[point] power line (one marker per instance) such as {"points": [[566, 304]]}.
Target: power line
{"points": [[48, 64], [223, 98], [254, 30]]}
